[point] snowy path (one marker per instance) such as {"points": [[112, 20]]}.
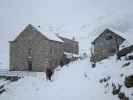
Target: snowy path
{"points": [[78, 81]]}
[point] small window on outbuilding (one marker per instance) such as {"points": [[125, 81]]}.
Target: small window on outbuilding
{"points": [[109, 37]]}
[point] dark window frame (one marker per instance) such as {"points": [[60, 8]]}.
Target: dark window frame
{"points": [[109, 37]]}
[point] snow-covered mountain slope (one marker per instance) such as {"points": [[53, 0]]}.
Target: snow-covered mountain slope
{"points": [[77, 81]]}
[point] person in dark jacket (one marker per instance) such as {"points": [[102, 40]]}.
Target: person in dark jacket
{"points": [[49, 73]]}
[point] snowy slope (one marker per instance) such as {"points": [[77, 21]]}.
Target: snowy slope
{"points": [[77, 81]]}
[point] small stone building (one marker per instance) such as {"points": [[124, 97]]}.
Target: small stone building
{"points": [[105, 45], [35, 51], [70, 45], [71, 50]]}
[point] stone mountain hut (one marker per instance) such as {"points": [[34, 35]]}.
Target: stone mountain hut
{"points": [[106, 44], [33, 50], [36, 51]]}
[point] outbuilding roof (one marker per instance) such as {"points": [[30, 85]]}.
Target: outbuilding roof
{"points": [[122, 35], [50, 36]]}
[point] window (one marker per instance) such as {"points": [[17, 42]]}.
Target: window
{"points": [[109, 37], [30, 65]]}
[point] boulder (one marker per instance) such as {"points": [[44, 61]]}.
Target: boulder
{"points": [[126, 64], [13, 78], [2, 90], [125, 51], [122, 96], [129, 81]]}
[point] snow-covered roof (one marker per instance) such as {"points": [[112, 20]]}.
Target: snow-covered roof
{"points": [[70, 55], [50, 36], [123, 35], [127, 43], [67, 35], [118, 32], [126, 35]]}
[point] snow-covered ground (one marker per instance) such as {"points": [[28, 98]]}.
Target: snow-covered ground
{"points": [[77, 81], [83, 19]]}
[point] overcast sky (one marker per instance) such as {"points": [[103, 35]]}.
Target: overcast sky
{"points": [[70, 16]]}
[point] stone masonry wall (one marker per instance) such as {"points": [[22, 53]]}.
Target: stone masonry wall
{"points": [[20, 47], [105, 47]]}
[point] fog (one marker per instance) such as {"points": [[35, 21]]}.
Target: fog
{"points": [[62, 16]]}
